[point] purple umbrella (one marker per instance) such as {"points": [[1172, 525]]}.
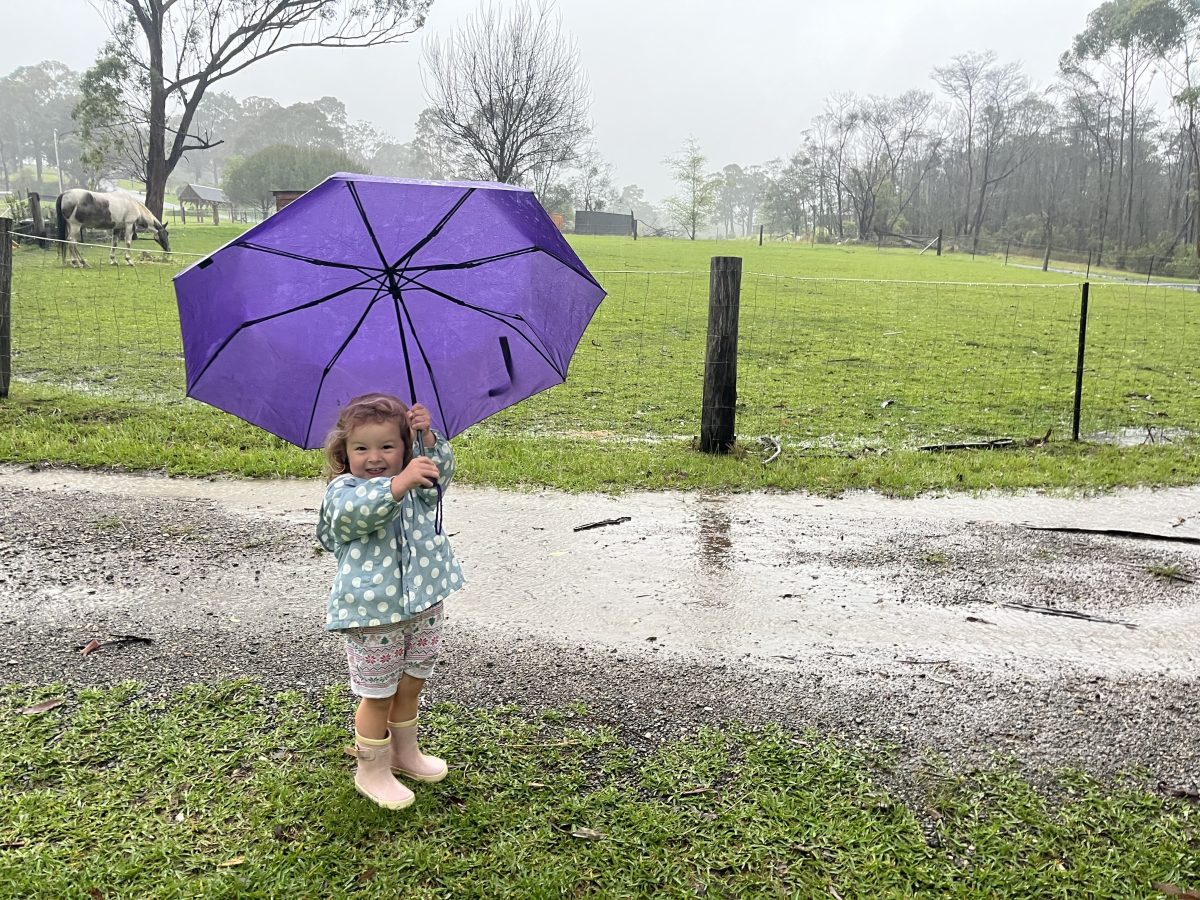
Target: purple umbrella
{"points": [[462, 295]]}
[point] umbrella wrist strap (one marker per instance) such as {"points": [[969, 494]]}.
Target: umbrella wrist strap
{"points": [[437, 516]]}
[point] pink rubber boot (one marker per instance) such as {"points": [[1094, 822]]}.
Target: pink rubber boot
{"points": [[407, 758], [374, 778]]}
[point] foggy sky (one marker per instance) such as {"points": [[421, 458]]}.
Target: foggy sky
{"points": [[744, 78]]}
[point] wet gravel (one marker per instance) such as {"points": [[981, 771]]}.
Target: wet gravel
{"points": [[229, 593]]}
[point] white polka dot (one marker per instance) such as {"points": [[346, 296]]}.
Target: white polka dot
{"points": [[342, 613], [382, 607], [368, 566], [346, 569], [454, 577], [355, 553], [439, 540], [373, 623], [424, 561], [421, 518], [408, 513], [361, 491], [386, 562], [364, 510], [429, 546], [356, 582], [374, 495], [377, 578], [444, 585], [435, 572], [391, 590], [368, 596], [349, 506], [395, 617], [378, 550], [362, 610], [397, 574], [417, 580], [380, 532], [392, 543], [429, 590], [417, 533], [348, 597]]}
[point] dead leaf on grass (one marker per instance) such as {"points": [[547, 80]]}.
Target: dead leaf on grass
{"points": [[235, 861], [366, 875], [588, 834], [44, 706], [1165, 887]]}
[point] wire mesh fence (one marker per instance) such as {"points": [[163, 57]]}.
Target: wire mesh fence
{"points": [[822, 362]]}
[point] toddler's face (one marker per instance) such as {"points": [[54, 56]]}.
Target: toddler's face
{"points": [[375, 450]]}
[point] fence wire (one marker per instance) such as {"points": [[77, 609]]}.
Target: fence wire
{"points": [[822, 363]]}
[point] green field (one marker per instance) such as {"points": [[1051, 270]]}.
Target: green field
{"points": [[849, 359]]}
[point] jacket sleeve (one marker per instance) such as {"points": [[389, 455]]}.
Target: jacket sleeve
{"points": [[443, 458], [353, 509]]}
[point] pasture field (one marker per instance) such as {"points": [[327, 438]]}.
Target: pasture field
{"points": [[850, 358]]}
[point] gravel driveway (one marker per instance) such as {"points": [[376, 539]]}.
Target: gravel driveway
{"points": [[870, 619]]}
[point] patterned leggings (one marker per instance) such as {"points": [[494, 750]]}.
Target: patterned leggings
{"points": [[378, 657]]}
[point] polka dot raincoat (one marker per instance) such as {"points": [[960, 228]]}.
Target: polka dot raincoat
{"points": [[393, 562]]}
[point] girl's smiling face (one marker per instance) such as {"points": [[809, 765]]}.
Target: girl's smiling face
{"points": [[375, 449]]}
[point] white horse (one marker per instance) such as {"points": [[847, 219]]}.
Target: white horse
{"points": [[118, 213]]}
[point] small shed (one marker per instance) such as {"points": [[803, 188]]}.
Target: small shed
{"points": [[283, 198], [202, 195]]}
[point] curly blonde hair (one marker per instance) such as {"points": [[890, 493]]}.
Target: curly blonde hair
{"points": [[364, 408]]}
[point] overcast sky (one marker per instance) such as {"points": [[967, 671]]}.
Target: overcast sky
{"points": [[745, 78]]}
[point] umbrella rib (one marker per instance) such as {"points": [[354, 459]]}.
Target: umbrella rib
{"points": [[470, 263], [333, 359], [403, 260], [275, 315], [412, 389], [367, 222], [499, 317], [437, 395], [246, 245]]}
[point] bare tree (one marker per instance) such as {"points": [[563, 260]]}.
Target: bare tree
{"points": [[511, 89], [697, 197], [163, 55]]}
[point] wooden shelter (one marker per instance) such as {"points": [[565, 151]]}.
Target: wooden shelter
{"points": [[201, 195]]}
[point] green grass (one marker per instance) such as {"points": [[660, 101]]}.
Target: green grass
{"points": [[222, 792], [838, 371]]}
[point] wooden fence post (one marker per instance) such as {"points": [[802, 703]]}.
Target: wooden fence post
{"points": [[939, 242], [720, 361], [5, 305], [35, 213], [760, 235], [1083, 314]]}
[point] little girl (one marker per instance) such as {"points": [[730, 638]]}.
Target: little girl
{"points": [[382, 518]]}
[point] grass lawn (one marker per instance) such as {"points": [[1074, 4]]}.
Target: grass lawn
{"points": [[848, 359], [224, 792]]}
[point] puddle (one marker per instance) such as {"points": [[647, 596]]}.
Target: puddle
{"points": [[770, 578]]}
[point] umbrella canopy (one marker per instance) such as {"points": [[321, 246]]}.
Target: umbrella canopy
{"points": [[461, 295]]}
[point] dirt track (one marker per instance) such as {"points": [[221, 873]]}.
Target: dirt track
{"points": [[867, 618]]}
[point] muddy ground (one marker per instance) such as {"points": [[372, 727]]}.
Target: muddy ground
{"points": [[869, 619]]}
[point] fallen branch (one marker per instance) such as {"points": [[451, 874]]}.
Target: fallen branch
{"points": [[771, 442], [1066, 613], [1117, 532], [616, 521], [995, 444]]}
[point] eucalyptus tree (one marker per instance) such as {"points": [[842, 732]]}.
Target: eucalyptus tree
{"points": [[510, 88], [1117, 51], [695, 200], [163, 56]]}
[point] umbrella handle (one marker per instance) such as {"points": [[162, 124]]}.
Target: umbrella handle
{"points": [[421, 448]]}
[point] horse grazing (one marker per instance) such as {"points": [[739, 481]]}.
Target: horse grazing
{"points": [[115, 212]]}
